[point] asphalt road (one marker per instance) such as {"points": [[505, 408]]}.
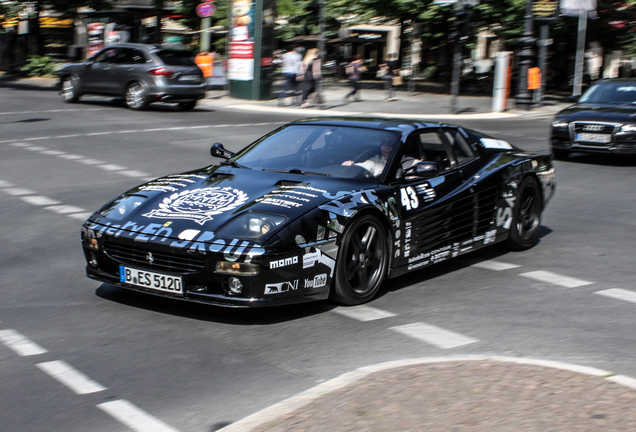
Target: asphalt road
{"points": [[77, 355]]}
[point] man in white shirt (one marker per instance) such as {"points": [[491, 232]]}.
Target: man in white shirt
{"points": [[376, 164], [292, 61]]}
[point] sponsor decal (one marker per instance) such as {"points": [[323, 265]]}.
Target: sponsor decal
{"points": [[409, 198], [495, 144], [418, 265], [490, 236], [427, 192], [281, 287], [319, 281], [504, 215], [310, 260], [283, 262], [199, 205]]}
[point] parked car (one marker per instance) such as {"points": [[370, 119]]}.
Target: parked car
{"points": [[603, 120], [138, 74], [317, 209]]}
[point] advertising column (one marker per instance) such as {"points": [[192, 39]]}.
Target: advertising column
{"points": [[250, 49]]}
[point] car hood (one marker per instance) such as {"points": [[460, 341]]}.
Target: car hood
{"points": [[209, 198], [598, 112]]}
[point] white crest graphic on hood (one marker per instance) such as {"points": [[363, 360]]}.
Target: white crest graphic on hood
{"points": [[199, 205]]}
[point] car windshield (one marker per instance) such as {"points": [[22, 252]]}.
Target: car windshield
{"points": [[618, 92], [337, 151], [175, 58]]}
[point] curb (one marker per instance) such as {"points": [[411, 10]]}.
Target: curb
{"points": [[291, 404]]}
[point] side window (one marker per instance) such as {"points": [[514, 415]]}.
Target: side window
{"points": [[106, 56], [138, 57], [130, 56], [428, 146], [459, 146]]}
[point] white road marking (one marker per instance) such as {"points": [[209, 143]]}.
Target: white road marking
{"points": [[35, 148], [70, 156], [70, 377], [495, 265], [53, 152], [5, 184], [362, 313], [619, 293], [133, 417], [65, 209], [39, 200], [112, 167], [80, 216], [20, 344], [19, 144], [555, 279], [47, 111], [433, 335], [133, 173], [91, 161], [18, 191]]}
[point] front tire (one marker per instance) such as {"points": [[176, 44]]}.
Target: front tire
{"points": [[362, 262], [69, 91], [136, 96], [526, 218]]}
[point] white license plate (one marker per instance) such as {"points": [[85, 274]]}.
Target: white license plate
{"points": [[188, 78], [152, 280], [592, 137]]}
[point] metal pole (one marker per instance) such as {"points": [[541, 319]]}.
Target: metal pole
{"points": [[204, 35], [543, 61], [457, 58], [321, 50], [580, 53], [524, 98]]}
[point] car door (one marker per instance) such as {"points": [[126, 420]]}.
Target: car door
{"points": [[97, 77], [437, 214], [130, 63]]}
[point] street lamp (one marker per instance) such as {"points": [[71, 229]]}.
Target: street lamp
{"points": [[524, 98]]}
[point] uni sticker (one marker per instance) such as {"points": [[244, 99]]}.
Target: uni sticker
{"points": [[199, 205]]}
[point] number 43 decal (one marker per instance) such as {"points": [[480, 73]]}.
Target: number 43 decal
{"points": [[409, 198]]}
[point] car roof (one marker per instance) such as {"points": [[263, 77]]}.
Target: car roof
{"points": [[133, 45], [371, 123]]}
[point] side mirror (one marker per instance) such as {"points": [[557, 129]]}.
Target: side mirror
{"points": [[423, 169], [574, 98], [218, 150]]}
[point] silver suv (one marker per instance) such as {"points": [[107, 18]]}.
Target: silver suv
{"points": [[137, 73]]}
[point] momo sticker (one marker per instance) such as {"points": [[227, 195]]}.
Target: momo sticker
{"points": [[199, 205]]}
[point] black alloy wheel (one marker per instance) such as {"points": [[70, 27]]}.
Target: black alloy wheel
{"points": [[526, 219], [68, 91], [362, 262]]}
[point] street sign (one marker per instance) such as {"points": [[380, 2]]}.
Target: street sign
{"points": [[205, 10]]}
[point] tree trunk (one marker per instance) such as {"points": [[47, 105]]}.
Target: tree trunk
{"points": [[158, 15]]}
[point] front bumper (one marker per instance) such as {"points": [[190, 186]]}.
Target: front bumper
{"points": [[562, 139]]}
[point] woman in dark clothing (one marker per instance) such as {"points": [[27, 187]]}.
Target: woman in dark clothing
{"points": [[310, 70], [354, 71]]}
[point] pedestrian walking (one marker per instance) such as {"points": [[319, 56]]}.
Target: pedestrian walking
{"points": [[354, 72], [292, 61], [310, 70], [389, 71]]}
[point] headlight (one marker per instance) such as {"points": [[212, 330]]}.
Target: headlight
{"points": [[251, 225], [629, 128], [228, 267], [122, 207], [559, 124]]}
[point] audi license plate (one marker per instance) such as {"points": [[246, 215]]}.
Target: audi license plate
{"points": [[152, 280], [189, 78], [593, 137]]}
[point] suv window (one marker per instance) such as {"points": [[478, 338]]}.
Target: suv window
{"points": [[106, 56], [175, 58], [130, 56]]}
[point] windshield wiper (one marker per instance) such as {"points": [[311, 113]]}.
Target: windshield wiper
{"points": [[234, 164], [298, 171]]}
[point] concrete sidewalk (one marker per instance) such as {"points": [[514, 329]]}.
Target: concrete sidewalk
{"points": [[473, 394]]}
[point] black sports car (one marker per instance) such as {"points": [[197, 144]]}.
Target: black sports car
{"points": [[320, 208], [602, 121]]}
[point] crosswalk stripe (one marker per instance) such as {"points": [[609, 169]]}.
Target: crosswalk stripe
{"points": [[70, 377], [619, 293], [362, 313], [555, 279], [434, 335], [495, 265]]}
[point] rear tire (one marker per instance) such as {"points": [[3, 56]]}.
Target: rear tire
{"points": [[526, 218], [187, 106], [136, 96], [362, 262], [69, 91]]}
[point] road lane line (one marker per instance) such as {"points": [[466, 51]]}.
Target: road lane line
{"points": [[70, 377], [19, 144], [133, 417], [619, 294], [65, 209], [494, 265], [80, 216], [18, 191], [434, 335], [39, 200], [133, 173], [36, 148], [20, 344], [5, 184], [53, 152], [112, 167], [555, 279], [70, 156], [362, 313], [91, 161]]}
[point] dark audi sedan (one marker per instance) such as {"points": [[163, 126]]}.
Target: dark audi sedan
{"points": [[138, 74], [602, 121]]}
